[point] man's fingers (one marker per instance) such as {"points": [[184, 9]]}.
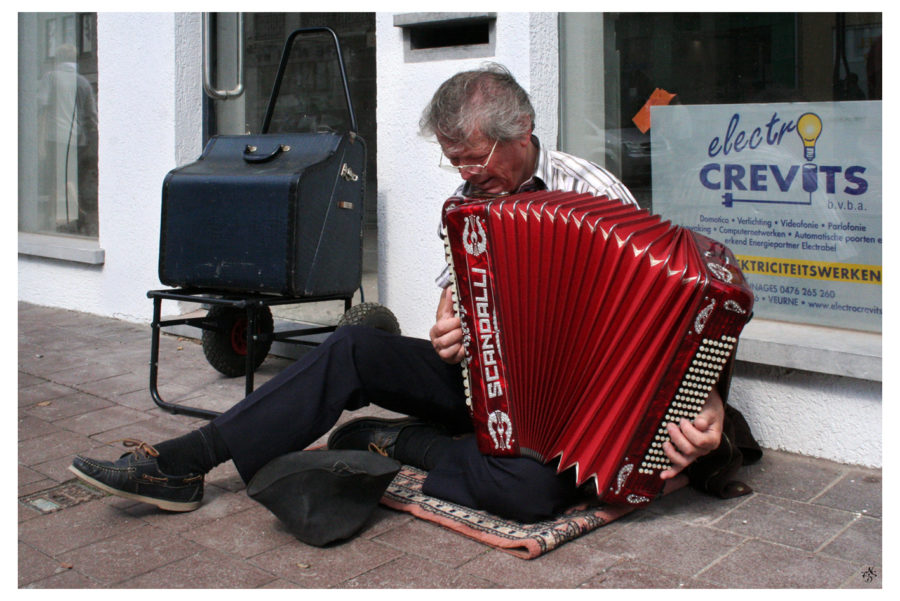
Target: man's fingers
{"points": [[446, 338], [445, 307], [452, 353], [689, 440], [680, 450], [678, 437], [701, 422], [678, 460], [700, 437]]}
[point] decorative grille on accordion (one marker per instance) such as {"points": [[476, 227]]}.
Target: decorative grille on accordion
{"points": [[589, 325]]}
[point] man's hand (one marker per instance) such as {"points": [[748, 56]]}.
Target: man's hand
{"points": [[690, 440], [446, 333]]}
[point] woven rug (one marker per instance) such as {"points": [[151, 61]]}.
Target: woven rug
{"points": [[522, 540]]}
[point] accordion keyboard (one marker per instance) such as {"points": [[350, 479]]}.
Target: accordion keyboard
{"points": [[703, 373]]}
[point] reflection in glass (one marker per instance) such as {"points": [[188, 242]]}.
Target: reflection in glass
{"points": [[57, 125]]}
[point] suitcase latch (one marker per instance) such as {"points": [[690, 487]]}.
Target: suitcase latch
{"points": [[347, 173]]}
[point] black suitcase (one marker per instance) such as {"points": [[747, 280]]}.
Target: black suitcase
{"points": [[277, 213]]}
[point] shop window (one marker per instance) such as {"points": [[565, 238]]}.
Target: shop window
{"points": [[58, 124], [760, 130]]}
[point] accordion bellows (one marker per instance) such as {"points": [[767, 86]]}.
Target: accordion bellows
{"points": [[589, 325]]}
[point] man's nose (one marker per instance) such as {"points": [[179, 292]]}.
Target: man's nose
{"points": [[467, 174]]}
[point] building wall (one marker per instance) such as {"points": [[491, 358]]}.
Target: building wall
{"points": [[821, 415]]}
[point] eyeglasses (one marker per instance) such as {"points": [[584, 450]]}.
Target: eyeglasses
{"points": [[469, 168]]}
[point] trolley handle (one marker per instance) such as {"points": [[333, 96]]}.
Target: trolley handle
{"points": [[282, 66]]}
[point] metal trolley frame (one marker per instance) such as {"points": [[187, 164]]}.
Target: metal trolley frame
{"points": [[252, 303]]}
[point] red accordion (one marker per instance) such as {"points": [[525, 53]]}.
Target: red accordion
{"points": [[589, 325]]}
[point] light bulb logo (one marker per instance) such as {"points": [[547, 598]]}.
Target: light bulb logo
{"points": [[809, 126]]}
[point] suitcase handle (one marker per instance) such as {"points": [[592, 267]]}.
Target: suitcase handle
{"points": [[251, 154], [267, 119]]}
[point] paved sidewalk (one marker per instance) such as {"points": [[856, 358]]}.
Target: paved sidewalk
{"points": [[83, 384]]}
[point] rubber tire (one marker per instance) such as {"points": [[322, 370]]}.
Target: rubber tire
{"points": [[226, 348], [370, 314]]}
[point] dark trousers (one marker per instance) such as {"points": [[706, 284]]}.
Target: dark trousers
{"points": [[358, 365]]}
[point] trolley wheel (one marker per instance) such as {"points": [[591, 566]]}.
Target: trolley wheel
{"points": [[226, 346], [370, 314]]}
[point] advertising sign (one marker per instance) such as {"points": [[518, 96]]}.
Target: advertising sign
{"points": [[793, 189]]}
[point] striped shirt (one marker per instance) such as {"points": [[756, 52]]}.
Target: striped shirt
{"points": [[561, 171]]}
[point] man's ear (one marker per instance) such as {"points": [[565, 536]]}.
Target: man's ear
{"points": [[525, 139]]}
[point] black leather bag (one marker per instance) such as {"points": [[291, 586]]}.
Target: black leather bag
{"points": [[273, 212], [323, 496], [278, 213]]}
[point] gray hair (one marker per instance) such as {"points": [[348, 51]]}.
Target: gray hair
{"points": [[487, 100]]}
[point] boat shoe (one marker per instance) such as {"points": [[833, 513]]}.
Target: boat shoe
{"points": [[136, 475], [375, 434]]}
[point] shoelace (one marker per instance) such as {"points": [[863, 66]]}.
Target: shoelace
{"points": [[376, 449], [140, 447]]}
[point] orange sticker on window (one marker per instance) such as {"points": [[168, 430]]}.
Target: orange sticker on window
{"points": [[659, 97]]}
